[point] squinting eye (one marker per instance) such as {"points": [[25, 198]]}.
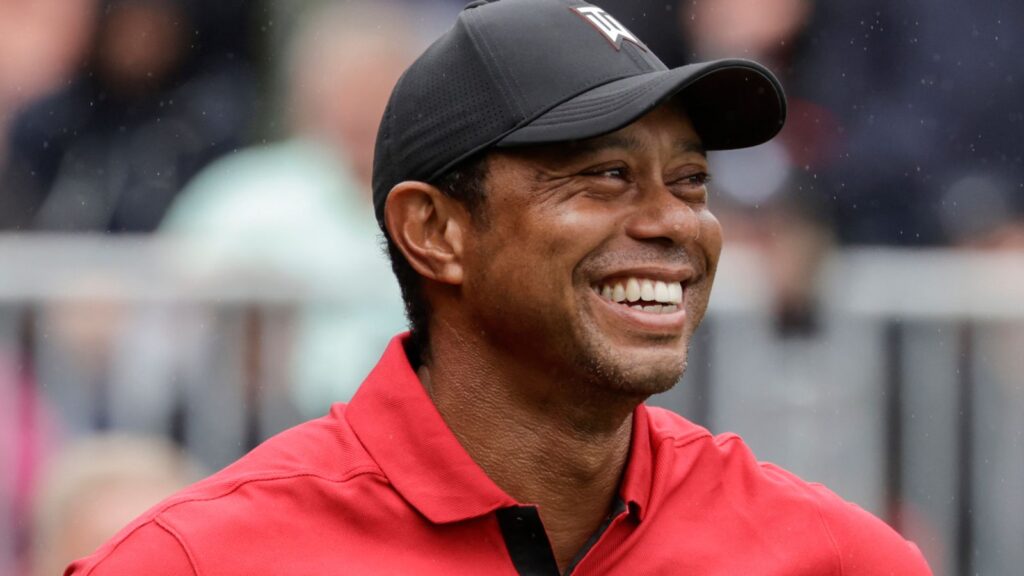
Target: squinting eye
{"points": [[608, 173], [699, 179]]}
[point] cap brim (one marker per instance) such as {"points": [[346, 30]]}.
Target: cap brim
{"points": [[732, 103]]}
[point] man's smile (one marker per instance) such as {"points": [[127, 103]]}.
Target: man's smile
{"points": [[645, 302], [644, 294]]}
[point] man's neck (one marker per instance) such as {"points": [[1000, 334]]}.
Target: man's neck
{"points": [[536, 440]]}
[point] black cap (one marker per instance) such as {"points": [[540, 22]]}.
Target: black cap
{"points": [[522, 72]]}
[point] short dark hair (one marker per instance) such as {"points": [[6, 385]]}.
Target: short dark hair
{"points": [[466, 183]]}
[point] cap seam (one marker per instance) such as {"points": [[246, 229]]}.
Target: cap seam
{"points": [[636, 58], [496, 72]]}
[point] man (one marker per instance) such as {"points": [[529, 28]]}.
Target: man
{"points": [[540, 178]]}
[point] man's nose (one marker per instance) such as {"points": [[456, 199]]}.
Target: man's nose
{"points": [[659, 215]]}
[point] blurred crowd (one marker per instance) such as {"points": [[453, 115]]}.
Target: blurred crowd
{"points": [[248, 128]]}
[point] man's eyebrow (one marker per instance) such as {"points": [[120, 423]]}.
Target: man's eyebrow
{"points": [[691, 146]]}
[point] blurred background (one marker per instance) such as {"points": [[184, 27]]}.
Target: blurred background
{"points": [[190, 262]]}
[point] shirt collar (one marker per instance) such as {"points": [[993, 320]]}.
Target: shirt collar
{"points": [[404, 433], [400, 427], [635, 489]]}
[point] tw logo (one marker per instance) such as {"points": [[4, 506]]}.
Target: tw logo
{"points": [[614, 31]]}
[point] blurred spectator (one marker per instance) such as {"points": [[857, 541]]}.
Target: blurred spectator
{"points": [[302, 207], [94, 487], [111, 150], [771, 33], [929, 97], [982, 212], [766, 196], [904, 117], [41, 42], [74, 367], [28, 434], [765, 31]]}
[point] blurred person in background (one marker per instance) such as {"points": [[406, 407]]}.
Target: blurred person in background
{"points": [[153, 104], [745, 28], [94, 486], [983, 212], [55, 387], [29, 432], [41, 44], [74, 367], [301, 207], [928, 95], [766, 196], [980, 215], [905, 115]]}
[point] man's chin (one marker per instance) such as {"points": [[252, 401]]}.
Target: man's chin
{"points": [[650, 382], [643, 374]]}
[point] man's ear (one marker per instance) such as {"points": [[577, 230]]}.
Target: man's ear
{"points": [[427, 226]]}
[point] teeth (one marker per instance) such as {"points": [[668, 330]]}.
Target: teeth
{"points": [[675, 293], [644, 292], [618, 293], [647, 290], [632, 290], [661, 293]]}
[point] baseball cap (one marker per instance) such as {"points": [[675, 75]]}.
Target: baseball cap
{"points": [[525, 72]]}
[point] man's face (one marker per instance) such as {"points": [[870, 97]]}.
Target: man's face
{"points": [[594, 260]]}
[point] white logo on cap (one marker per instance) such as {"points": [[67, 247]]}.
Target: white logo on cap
{"points": [[612, 29]]}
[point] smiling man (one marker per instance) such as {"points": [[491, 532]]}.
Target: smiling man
{"points": [[541, 180]]}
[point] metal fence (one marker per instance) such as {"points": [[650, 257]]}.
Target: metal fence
{"points": [[906, 394]]}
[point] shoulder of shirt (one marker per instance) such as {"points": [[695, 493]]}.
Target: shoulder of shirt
{"points": [[864, 544], [320, 450]]}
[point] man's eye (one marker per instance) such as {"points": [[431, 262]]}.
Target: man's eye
{"points": [[617, 173], [698, 179]]}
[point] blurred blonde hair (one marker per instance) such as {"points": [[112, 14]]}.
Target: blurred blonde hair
{"points": [[84, 468]]}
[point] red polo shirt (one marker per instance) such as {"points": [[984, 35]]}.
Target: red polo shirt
{"points": [[382, 486]]}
